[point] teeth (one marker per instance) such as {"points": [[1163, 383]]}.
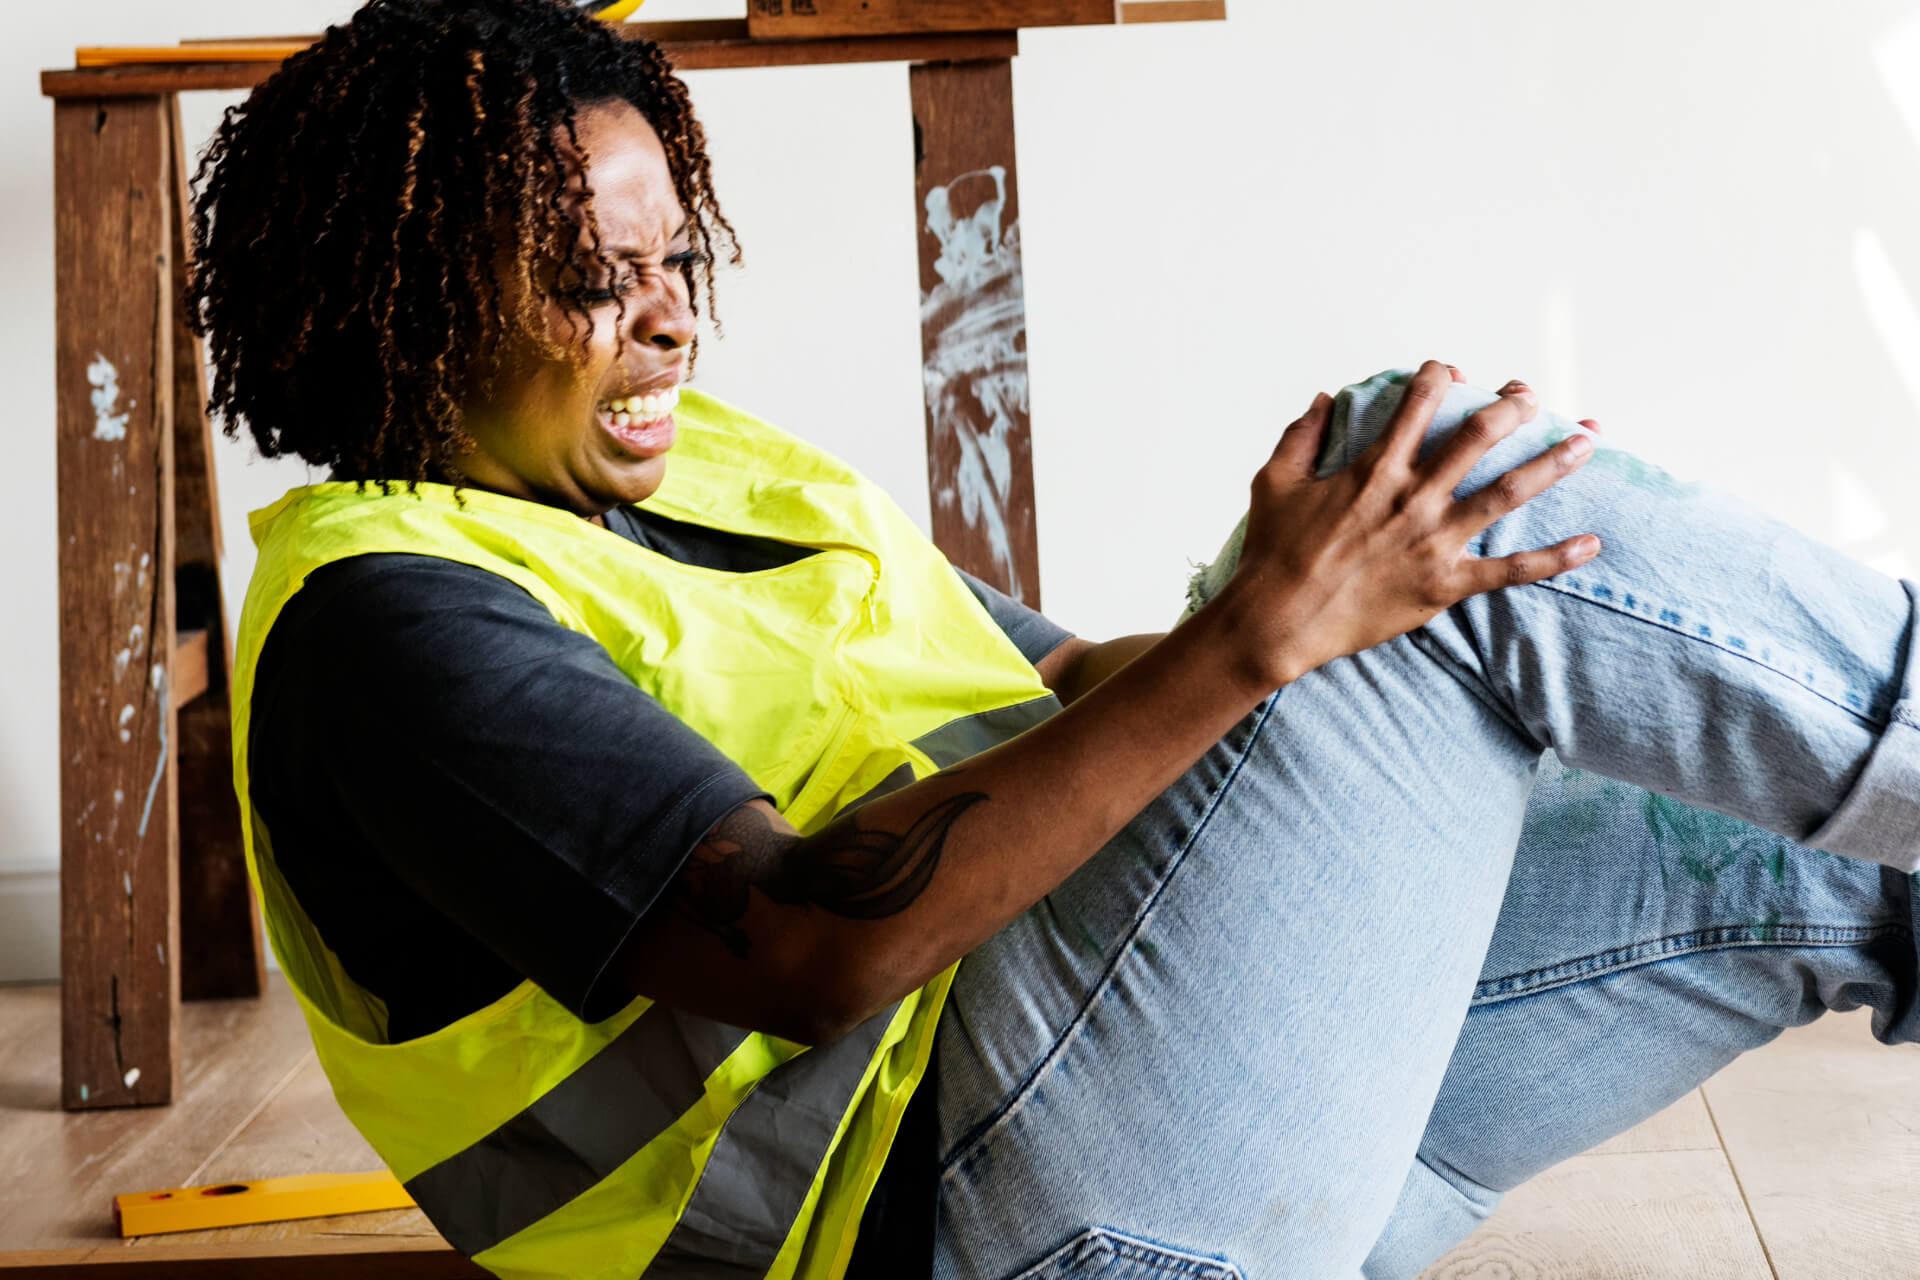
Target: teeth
{"points": [[645, 408]]}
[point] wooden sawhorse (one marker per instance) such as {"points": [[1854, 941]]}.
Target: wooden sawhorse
{"points": [[154, 901]]}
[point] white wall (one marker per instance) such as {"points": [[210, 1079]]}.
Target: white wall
{"points": [[1699, 223]]}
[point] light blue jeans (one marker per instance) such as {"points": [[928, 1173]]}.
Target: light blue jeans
{"points": [[1376, 958]]}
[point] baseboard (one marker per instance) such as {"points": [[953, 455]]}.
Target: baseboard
{"points": [[29, 920]]}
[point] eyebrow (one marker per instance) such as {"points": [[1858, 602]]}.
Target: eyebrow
{"points": [[634, 251]]}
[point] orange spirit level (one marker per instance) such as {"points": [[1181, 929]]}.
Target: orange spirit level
{"points": [[234, 1204]]}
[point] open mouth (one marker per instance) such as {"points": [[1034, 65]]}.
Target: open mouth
{"points": [[642, 424], [647, 408]]}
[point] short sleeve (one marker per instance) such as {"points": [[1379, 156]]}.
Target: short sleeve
{"points": [[500, 765], [1033, 633]]}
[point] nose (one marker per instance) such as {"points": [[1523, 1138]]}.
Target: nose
{"points": [[665, 321]]}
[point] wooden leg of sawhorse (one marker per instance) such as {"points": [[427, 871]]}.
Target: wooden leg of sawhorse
{"points": [[221, 955], [973, 323], [125, 673]]}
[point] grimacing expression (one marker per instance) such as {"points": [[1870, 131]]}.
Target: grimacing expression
{"points": [[583, 420]]}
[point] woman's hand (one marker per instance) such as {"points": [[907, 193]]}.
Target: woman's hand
{"points": [[1330, 567]]}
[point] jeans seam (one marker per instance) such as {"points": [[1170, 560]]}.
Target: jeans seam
{"points": [[1016, 1098], [1574, 593], [1619, 959]]}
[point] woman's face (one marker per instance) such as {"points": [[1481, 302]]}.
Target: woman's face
{"points": [[589, 428]]}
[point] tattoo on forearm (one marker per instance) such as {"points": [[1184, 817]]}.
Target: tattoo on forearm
{"points": [[861, 875]]}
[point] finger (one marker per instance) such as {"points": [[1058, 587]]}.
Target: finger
{"points": [[1419, 400], [1589, 424], [1522, 567], [1456, 374], [1525, 395], [1298, 453], [1525, 482], [1481, 431]]}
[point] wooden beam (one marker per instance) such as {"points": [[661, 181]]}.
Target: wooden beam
{"points": [[119, 924], [723, 54], [1175, 11], [812, 19], [222, 955], [343, 1258], [973, 323], [251, 64], [189, 667]]}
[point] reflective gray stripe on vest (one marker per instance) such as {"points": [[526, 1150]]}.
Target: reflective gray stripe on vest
{"points": [[955, 740], [578, 1132], [765, 1161]]}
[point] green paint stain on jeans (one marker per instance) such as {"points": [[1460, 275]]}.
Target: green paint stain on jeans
{"points": [[1775, 861], [1703, 843], [1637, 472]]}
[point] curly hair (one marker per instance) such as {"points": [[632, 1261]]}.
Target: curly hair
{"points": [[362, 219]]}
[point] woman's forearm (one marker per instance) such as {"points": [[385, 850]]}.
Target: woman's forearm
{"points": [[806, 936]]}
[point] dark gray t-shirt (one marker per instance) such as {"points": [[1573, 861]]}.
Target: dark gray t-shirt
{"points": [[464, 794]]}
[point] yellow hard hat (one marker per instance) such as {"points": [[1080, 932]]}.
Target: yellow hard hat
{"points": [[610, 10]]}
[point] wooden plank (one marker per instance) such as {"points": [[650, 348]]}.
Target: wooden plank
{"points": [[812, 19], [314, 1258], [1653, 1215], [684, 31], [251, 1097], [300, 1131], [973, 324], [222, 954], [1684, 1126], [726, 54], [1175, 11], [189, 666], [151, 81], [59, 1171], [705, 53], [1823, 1129], [119, 927]]}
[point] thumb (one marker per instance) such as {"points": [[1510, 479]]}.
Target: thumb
{"points": [[1298, 452]]}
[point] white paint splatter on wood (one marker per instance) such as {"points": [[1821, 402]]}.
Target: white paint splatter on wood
{"points": [[126, 718], [161, 758], [105, 381], [131, 1078], [974, 325]]}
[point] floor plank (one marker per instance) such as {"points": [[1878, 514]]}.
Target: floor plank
{"points": [[59, 1172], [1636, 1215], [1823, 1129], [1684, 1126], [301, 1130]]}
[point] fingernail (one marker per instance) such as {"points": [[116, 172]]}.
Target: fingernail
{"points": [[1321, 399], [1579, 446], [1587, 547]]}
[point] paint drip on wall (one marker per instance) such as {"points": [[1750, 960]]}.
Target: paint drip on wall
{"points": [[974, 325]]}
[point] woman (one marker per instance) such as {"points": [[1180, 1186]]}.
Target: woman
{"points": [[554, 707]]}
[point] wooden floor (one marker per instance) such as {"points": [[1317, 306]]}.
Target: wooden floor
{"points": [[1799, 1162]]}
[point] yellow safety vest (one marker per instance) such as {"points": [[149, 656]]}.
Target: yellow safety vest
{"points": [[655, 1142]]}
